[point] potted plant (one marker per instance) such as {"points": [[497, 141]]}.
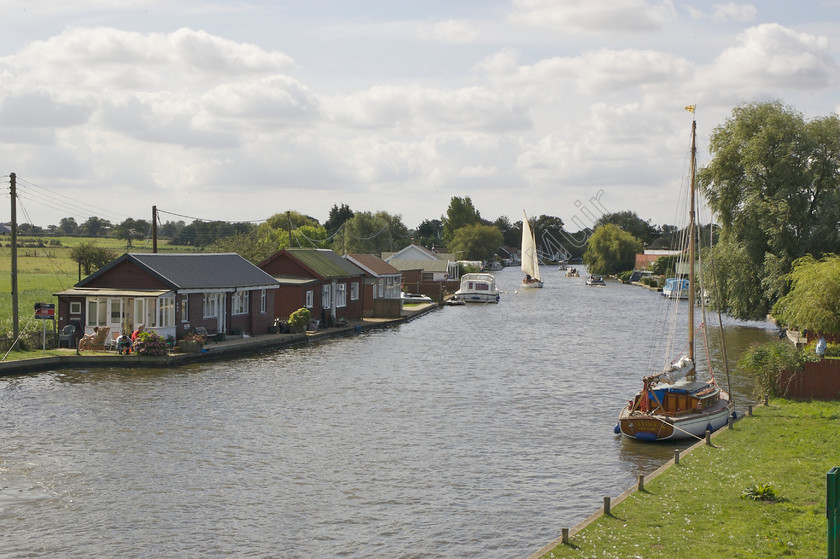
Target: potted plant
{"points": [[299, 320], [191, 343]]}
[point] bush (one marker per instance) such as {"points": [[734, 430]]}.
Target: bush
{"points": [[625, 276], [764, 362], [300, 319], [150, 343]]}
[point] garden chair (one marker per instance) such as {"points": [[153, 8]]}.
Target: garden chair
{"points": [[67, 334], [95, 342]]}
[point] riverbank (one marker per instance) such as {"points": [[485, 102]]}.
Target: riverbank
{"points": [[696, 507], [230, 348]]}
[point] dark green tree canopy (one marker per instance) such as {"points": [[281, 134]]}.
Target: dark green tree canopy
{"points": [[632, 223], [460, 213], [774, 182], [611, 250], [337, 217], [476, 242], [372, 233], [91, 257]]}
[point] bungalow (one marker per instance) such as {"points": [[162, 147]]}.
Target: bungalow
{"points": [[424, 271], [304, 272], [381, 292], [170, 294]]}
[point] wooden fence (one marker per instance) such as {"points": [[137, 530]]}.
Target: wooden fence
{"points": [[819, 381]]}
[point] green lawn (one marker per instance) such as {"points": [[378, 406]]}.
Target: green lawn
{"points": [[695, 508]]}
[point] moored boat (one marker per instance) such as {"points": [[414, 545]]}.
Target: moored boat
{"points": [[673, 403], [675, 288], [478, 288]]}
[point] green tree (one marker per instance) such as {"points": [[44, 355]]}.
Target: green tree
{"points": [[68, 225], [813, 301], [476, 242], [132, 229], [460, 213], [337, 217], [91, 257], [372, 233], [774, 182], [429, 233], [632, 223], [94, 227], [611, 250], [205, 233]]}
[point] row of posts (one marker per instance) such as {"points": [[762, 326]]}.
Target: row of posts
{"points": [[564, 533]]}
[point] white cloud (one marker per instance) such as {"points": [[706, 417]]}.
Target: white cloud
{"points": [[451, 31], [770, 55], [725, 12], [601, 16]]}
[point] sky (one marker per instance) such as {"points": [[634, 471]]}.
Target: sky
{"points": [[238, 110]]}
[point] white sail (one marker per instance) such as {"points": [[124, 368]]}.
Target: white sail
{"points": [[530, 261]]}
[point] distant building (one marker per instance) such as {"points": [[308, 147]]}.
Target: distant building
{"points": [[647, 259]]}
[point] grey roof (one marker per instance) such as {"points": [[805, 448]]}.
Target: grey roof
{"points": [[425, 265], [195, 271]]}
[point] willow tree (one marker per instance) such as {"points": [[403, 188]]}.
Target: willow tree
{"points": [[476, 242], [611, 250], [774, 183], [813, 301]]}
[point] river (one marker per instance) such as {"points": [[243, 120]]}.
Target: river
{"points": [[473, 431]]}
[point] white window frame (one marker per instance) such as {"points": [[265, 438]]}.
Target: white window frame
{"points": [[354, 291], [185, 307], [75, 307], [340, 295], [262, 300], [97, 311], [240, 302], [310, 299], [210, 306], [326, 296], [166, 312]]}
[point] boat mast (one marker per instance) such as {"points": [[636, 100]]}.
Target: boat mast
{"points": [[691, 221]]}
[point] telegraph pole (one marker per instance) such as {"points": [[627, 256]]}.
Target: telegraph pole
{"points": [[15, 330], [154, 229]]}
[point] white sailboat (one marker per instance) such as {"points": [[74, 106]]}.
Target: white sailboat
{"points": [[530, 259], [673, 403]]}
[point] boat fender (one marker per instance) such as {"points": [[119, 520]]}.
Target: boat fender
{"points": [[734, 416], [710, 428], [616, 429]]}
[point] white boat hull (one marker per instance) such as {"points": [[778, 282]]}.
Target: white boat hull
{"points": [[477, 297], [532, 285]]}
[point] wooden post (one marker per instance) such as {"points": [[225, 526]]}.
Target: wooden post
{"points": [[708, 437], [641, 482], [749, 410], [730, 422], [564, 538], [766, 399], [607, 506], [676, 456]]}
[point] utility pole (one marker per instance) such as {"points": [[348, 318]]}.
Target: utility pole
{"points": [[154, 229], [15, 330]]}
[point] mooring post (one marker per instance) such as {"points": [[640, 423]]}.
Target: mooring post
{"points": [[676, 456], [708, 437], [641, 482], [749, 410], [730, 422], [766, 399], [607, 506], [564, 538]]}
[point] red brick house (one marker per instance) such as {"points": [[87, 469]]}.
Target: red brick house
{"points": [[317, 279], [381, 291], [171, 294]]}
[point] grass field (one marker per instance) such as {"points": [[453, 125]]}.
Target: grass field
{"points": [[696, 508]]}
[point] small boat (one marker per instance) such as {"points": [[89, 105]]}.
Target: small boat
{"points": [[595, 280], [415, 298], [675, 288], [478, 288], [530, 259], [572, 273], [673, 403]]}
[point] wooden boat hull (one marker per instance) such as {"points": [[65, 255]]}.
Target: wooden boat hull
{"points": [[661, 427]]}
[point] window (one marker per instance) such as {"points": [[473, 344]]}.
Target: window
{"points": [[262, 301], [75, 307], [166, 312], [310, 298], [341, 295], [381, 286], [97, 314], [354, 291], [326, 297], [211, 306], [185, 308], [239, 302]]}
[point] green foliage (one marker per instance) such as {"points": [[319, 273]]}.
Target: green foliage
{"points": [[372, 233], [476, 242], [611, 250], [760, 492], [460, 213], [151, 344], [337, 217], [300, 318], [631, 223], [91, 257], [624, 276], [764, 362], [430, 233], [665, 265], [813, 301], [774, 182]]}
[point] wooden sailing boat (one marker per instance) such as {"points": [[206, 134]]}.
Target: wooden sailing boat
{"points": [[530, 259], [673, 404]]}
